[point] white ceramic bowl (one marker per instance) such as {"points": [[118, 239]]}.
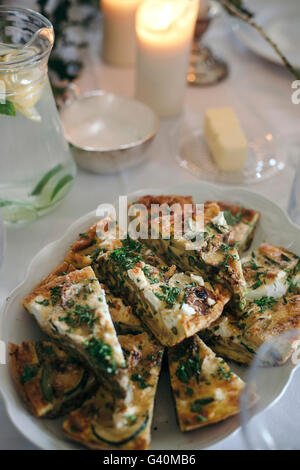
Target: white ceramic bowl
{"points": [[108, 132]]}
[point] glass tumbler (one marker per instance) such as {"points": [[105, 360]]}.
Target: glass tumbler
{"points": [[36, 166]]}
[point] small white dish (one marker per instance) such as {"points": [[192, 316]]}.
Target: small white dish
{"points": [[267, 148], [266, 156], [108, 132], [16, 326], [280, 21]]}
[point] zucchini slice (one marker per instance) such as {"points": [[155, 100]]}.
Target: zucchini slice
{"points": [[102, 434]]}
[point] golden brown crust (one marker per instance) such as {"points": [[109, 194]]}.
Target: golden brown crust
{"points": [[149, 200], [278, 255], [244, 214], [242, 224], [258, 325], [20, 356], [43, 288], [87, 247], [50, 381], [61, 270]]}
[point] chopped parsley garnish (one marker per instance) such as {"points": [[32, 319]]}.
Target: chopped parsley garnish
{"points": [[82, 314], [95, 254], [84, 235], [189, 368], [140, 381], [225, 247], [215, 227], [265, 302], [292, 286], [232, 219], [201, 418], [169, 296], [127, 255], [224, 374], [131, 419], [189, 391], [197, 406], [258, 279], [102, 353], [55, 294], [28, 373], [44, 302], [147, 272]]}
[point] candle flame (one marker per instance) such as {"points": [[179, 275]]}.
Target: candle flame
{"points": [[160, 16]]}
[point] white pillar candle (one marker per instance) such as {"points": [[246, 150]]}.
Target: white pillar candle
{"points": [[164, 31], [118, 43]]}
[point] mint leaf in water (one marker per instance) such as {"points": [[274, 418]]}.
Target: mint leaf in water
{"points": [[7, 108]]}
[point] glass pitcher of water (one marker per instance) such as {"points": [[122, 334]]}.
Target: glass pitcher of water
{"points": [[36, 166]]}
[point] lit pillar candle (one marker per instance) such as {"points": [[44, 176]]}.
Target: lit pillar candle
{"points": [[118, 43], [164, 31]]}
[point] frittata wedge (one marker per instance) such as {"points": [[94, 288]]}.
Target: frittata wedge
{"points": [[88, 246], [242, 224], [269, 271], [72, 310], [206, 252], [205, 389], [98, 424], [265, 319], [51, 382], [273, 307], [173, 305]]}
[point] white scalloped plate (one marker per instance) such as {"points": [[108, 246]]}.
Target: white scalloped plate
{"points": [[16, 325]]}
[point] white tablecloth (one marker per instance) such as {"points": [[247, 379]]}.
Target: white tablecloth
{"points": [[253, 84]]}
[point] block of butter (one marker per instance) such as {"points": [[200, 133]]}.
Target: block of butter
{"points": [[225, 139]]}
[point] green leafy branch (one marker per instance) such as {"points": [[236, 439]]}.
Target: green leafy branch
{"points": [[237, 9]]}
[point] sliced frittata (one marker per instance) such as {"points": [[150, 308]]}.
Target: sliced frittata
{"points": [[173, 305], [51, 382], [264, 319], [100, 423], [100, 237], [154, 206], [205, 389], [272, 308], [203, 250], [72, 310], [269, 271], [242, 224]]}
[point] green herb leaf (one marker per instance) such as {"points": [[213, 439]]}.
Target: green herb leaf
{"points": [[198, 404], [265, 302], [28, 373], [44, 302], [8, 109], [102, 353], [140, 380], [189, 368]]}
